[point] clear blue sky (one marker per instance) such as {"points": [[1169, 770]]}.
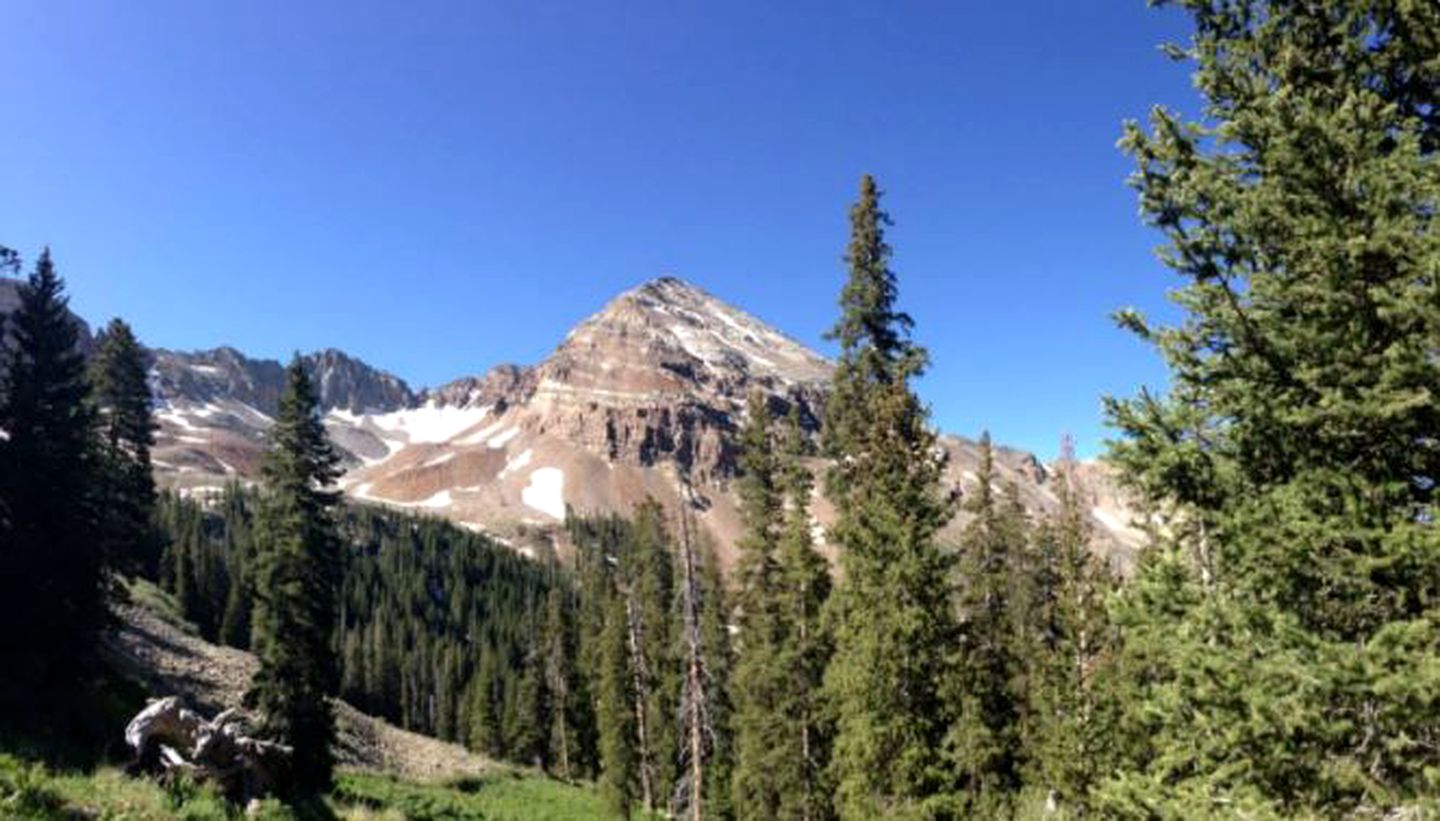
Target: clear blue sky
{"points": [[440, 186]]}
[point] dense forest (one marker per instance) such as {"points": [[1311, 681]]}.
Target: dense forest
{"points": [[1275, 653]]}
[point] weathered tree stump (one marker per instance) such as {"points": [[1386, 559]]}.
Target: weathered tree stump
{"points": [[170, 740]]}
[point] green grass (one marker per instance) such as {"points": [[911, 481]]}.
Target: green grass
{"points": [[501, 797], [31, 792], [148, 595]]}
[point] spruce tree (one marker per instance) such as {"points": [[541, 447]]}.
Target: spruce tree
{"points": [[648, 586], [121, 393], [985, 740], [803, 734], [1070, 653], [715, 619], [562, 682], [616, 714], [894, 628], [1280, 643], [760, 680], [51, 591], [296, 588], [235, 624]]}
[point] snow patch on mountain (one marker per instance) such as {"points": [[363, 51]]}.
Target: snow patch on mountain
{"points": [[482, 436], [517, 463], [546, 492], [429, 423], [503, 438]]}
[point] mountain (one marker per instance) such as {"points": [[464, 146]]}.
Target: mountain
{"points": [[649, 389]]}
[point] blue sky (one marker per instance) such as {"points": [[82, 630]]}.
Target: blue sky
{"points": [[440, 186]]}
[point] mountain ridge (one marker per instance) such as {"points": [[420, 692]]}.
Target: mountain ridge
{"points": [[644, 393]]}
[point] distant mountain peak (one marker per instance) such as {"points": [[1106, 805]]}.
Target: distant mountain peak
{"points": [[681, 336]]}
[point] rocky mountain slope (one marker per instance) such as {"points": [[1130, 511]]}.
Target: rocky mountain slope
{"points": [[648, 389], [169, 660]]}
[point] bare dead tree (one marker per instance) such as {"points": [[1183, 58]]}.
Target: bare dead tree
{"points": [[695, 709]]}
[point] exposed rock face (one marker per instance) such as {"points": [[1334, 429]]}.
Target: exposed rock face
{"points": [[345, 383], [502, 385], [661, 374], [215, 406], [224, 374]]}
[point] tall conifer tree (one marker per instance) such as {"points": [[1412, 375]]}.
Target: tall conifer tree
{"points": [[127, 432], [1069, 652], [615, 711], [1283, 639], [51, 592], [803, 736], [562, 681], [894, 628], [297, 585], [759, 683], [986, 738]]}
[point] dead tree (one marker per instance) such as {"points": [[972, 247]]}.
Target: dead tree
{"points": [[695, 709]]}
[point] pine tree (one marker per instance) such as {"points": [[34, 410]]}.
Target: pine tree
{"points": [[649, 593], [760, 680], [894, 629], [715, 619], [1071, 653], [530, 713], [562, 682], [803, 736], [616, 716], [985, 740], [486, 705], [51, 592], [1280, 644], [122, 397], [299, 565]]}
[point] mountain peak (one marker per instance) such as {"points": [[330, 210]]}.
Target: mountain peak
{"points": [[684, 335]]}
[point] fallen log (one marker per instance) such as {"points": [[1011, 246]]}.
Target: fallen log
{"points": [[169, 740]]}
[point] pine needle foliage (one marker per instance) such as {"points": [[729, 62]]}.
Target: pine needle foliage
{"points": [[894, 630], [297, 586], [1282, 647]]}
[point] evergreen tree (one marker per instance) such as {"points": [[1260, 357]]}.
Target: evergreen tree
{"points": [[486, 707], [1280, 644], [529, 714], [299, 566], [894, 628], [649, 592], [616, 716], [122, 397], [235, 623], [715, 620], [1071, 653], [562, 682], [760, 681], [802, 737], [986, 740], [51, 592]]}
